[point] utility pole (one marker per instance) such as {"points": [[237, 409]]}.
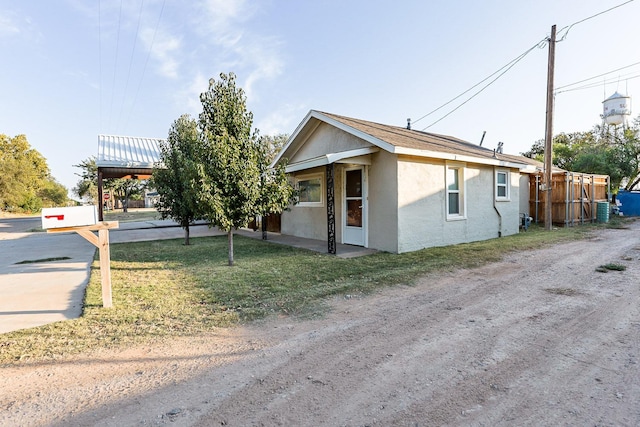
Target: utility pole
{"points": [[548, 137]]}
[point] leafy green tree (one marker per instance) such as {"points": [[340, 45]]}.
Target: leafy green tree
{"points": [[272, 144], [24, 176], [604, 150], [126, 189], [87, 186], [123, 189], [536, 152], [234, 183], [53, 194], [177, 177], [565, 148], [628, 156], [276, 192]]}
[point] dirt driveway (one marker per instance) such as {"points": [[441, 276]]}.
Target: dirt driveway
{"points": [[539, 339]]}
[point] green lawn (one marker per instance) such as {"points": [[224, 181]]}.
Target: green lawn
{"points": [[132, 215], [163, 288]]}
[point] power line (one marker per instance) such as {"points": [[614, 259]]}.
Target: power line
{"points": [[596, 84], [126, 85], [115, 65], [590, 17], [595, 77], [506, 68], [99, 66], [135, 97], [509, 64]]}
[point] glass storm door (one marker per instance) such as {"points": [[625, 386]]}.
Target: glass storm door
{"points": [[354, 197]]}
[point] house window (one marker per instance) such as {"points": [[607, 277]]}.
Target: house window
{"points": [[502, 185], [310, 190], [455, 191]]}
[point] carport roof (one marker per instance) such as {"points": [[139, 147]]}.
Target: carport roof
{"points": [[127, 152]]}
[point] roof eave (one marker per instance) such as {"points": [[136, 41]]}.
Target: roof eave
{"points": [[458, 157], [330, 158], [313, 114], [355, 132], [119, 164]]}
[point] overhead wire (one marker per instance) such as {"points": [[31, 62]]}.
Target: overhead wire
{"points": [[135, 97], [588, 18], [509, 64], [99, 66], [594, 77], [507, 67], [126, 85], [115, 66], [597, 84]]}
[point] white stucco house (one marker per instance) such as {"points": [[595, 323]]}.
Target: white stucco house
{"points": [[394, 189]]}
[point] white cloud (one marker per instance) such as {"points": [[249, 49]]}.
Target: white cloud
{"points": [[164, 48], [227, 24], [263, 61], [217, 36], [223, 18], [189, 98], [282, 120], [8, 26]]}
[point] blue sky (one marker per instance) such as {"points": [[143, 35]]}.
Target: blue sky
{"points": [[73, 69]]}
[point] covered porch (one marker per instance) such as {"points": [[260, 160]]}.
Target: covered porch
{"points": [[336, 183]]}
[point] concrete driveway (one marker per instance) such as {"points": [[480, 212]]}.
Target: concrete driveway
{"points": [[37, 293]]}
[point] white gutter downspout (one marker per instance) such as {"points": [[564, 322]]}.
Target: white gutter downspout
{"points": [[495, 196]]}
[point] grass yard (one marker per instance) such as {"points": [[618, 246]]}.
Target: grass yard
{"points": [[146, 214], [163, 288]]}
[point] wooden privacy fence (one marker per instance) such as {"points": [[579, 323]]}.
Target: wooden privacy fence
{"points": [[574, 197]]}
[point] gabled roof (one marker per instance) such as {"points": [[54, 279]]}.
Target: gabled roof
{"points": [[399, 140], [127, 152]]}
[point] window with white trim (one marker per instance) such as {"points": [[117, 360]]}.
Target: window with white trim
{"points": [[502, 185], [455, 185], [310, 190]]}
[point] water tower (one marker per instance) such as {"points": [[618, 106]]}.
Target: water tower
{"points": [[616, 109]]}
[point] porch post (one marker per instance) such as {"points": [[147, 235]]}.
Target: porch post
{"points": [[100, 196], [331, 210]]}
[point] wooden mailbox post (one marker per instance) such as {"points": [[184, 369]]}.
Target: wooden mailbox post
{"points": [[83, 220]]}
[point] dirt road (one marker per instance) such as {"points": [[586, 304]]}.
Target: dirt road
{"points": [[539, 339]]}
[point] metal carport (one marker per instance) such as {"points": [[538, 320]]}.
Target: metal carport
{"points": [[126, 157]]}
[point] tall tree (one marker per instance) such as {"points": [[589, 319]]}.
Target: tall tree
{"points": [[53, 194], [87, 186], [276, 192], [177, 177], [232, 159], [24, 175], [604, 150], [126, 189]]}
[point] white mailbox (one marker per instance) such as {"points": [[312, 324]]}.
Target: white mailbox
{"points": [[69, 217]]}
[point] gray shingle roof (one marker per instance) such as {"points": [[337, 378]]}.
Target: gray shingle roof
{"points": [[418, 140]]}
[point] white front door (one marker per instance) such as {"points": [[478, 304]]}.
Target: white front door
{"points": [[354, 202]]}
